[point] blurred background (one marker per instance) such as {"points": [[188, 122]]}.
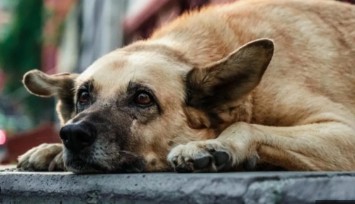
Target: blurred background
{"points": [[64, 36]]}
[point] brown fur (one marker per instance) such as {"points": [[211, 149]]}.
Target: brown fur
{"points": [[219, 100]]}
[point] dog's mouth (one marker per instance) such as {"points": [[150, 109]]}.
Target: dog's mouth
{"points": [[128, 162]]}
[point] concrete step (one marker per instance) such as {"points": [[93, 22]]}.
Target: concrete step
{"points": [[252, 187]]}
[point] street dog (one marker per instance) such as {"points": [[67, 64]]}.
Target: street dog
{"points": [[230, 87]]}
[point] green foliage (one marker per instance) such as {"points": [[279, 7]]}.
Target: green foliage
{"points": [[20, 51]]}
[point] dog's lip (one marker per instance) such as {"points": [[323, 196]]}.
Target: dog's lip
{"points": [[128, 163], [80, 166], [131, 162]]}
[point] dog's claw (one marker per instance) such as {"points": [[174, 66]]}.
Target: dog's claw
{"points": [[184, 168]]}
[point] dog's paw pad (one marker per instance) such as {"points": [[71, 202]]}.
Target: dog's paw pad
{"points": [[221, 158], [203, 162]]}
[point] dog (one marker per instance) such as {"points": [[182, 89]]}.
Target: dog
{"points": [[231, 87]]}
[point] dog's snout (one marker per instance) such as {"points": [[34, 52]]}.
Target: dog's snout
{"points": [[78, 136]]}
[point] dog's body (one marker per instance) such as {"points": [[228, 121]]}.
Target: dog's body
{"points": [[196, 96]]}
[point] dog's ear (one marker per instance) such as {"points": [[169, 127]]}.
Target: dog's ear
{"points": [[57, 85], [230, 78], [44, 85]]}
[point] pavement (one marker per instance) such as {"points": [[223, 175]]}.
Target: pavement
{"points": [[251, 187]]}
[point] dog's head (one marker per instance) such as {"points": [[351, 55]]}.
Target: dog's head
{"points": [[128, 109]]}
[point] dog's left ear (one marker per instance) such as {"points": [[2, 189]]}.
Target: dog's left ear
{"points": [[230, 78]]}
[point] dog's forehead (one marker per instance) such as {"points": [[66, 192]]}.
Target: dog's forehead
{"points": [[114, 72]]}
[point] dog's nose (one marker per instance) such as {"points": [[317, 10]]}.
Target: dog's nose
{"points": [[77, 136]]}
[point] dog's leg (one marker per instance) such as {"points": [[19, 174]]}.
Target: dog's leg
{"points": [[45, 157], [317, 146]]}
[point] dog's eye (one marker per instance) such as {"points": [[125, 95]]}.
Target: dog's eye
{"points": [[84, 98], [143, 99]]}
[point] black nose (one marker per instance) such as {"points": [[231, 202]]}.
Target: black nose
{"points": [[78, 136]]}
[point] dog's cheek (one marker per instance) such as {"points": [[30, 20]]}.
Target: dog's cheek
{"points": [[145, 115], [150, 142]]}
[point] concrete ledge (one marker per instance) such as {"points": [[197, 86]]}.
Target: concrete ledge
{"points": [[254, 187]]}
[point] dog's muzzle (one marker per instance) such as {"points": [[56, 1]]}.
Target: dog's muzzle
{"points": [[78, 136], [79, 139]]}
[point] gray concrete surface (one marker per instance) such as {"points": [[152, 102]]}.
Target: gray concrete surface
{"points": [[253, 187]]}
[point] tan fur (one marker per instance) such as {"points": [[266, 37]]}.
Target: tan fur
{"points": [[300, 116]]}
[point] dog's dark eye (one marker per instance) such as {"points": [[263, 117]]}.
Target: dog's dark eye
{"points": [[84, 98], [143, 99]]}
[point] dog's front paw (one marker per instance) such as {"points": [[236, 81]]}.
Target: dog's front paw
{"points": [[201, 156], [45, 157]]}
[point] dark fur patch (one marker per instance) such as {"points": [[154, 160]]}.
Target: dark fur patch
{"points": [[66, 104]]}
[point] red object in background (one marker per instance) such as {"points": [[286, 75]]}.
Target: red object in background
{"points": [[22, 142], [157, 13], [2, 137]]}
